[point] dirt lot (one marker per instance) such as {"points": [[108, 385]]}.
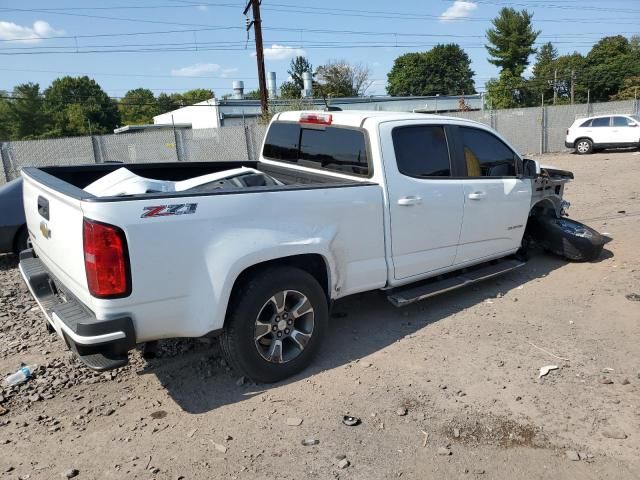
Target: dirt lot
{"points": [[463, 366]]}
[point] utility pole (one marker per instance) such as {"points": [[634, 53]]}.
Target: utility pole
{"points": [[555, 85], [254, 5], [573, 75]]}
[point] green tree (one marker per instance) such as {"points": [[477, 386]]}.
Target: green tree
{"points": [[509, 91], [5, 129], [253, 95], [166, 103], [609, 62], [567, 66], [544, 71], [79, 106], [445, 69], [26, 117], [289, 90], [292, 88], [196, 95], [138, 107], [511, 40], [630, 89], [337, 78]]}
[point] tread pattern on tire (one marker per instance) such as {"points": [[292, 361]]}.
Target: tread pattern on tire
{"points": [[231, 338]]}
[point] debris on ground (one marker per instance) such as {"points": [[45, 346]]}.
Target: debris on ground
{"points": [[219, 447], [310, 441], [401, 411], [294, 421], [444, 451], [546, 369], [23, 374], [350, 421], [614, 433], [573, 455], [634, 297], [344, 463]]}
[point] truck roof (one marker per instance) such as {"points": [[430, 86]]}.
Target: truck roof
{"points": [[355, 118]]}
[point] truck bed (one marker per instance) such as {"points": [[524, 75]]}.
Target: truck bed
{"points": [[70, 180]]}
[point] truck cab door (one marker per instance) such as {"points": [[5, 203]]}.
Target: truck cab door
{"points": [[496, 197], [425, 202]]}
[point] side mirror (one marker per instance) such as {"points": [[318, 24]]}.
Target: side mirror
{"points": [[531, 168]]}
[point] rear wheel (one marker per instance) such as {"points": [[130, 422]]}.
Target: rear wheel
{"points": [[276, 322], [584, 146]]}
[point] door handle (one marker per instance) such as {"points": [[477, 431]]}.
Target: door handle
{"points": [[477, 195], [408, 201]]}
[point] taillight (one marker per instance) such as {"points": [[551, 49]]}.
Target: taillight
{"points": [[567, 131], [106, 260]]}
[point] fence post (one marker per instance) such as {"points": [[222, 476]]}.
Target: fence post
{"points": [[4, 166], [97, 158], [542, 126], [248, 143]]}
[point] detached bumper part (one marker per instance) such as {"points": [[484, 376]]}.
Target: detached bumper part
{"points": [[99, 344]]}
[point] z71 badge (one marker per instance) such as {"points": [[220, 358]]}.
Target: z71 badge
{"points": [[167, 210]]}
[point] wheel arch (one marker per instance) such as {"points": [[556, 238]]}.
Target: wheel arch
{"points": [[546, 206], [314, 264]]}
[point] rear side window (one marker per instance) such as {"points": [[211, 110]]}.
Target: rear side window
{"points": [[486, 155], [282, 142], [329, 148], [600, 122], [621, 122], [586, 124], [421, 151]]}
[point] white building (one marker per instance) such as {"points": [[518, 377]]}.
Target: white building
{"points": [[215, 113]]}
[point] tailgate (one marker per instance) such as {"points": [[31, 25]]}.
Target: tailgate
{"points": [[54, 221]]}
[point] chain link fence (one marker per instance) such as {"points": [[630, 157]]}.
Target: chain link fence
{"points": [[531, 130]]}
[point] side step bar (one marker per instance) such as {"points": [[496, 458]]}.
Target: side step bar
{"points": [[404, 296]]}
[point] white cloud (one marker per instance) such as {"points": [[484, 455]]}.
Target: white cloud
{"points": [[281, 52], [228, 72], [26, 34], [202, 8], [460, 9], [195, 70], [529, 71]]}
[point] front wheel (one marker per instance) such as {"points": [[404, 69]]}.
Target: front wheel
{"points": [[276, 322], [584, 146]]}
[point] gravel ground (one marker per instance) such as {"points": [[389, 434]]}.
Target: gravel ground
{"points": [[447, 388]]}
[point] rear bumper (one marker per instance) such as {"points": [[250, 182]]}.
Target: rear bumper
{"points": [[99, 344], [568, 144]]}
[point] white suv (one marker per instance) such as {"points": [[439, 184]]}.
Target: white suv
{"points": [[606, 131]]}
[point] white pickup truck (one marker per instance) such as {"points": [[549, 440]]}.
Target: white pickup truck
{"points": [[343, 202]]}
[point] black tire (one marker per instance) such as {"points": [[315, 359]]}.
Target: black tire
{"points": [[251, 303], [567, 238], [584, 146], [21, 241]]}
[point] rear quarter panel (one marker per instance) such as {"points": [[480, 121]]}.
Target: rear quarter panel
{"points": [[183, 267]]}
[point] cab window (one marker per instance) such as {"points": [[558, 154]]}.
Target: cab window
{"points": [[486, 155], [421, 151], [328, 148]]}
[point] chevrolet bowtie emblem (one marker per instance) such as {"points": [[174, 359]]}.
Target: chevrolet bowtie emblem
{"points": [[44, 229]]}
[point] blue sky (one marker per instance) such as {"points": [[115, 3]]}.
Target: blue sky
{"points": [[176, 45]]}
